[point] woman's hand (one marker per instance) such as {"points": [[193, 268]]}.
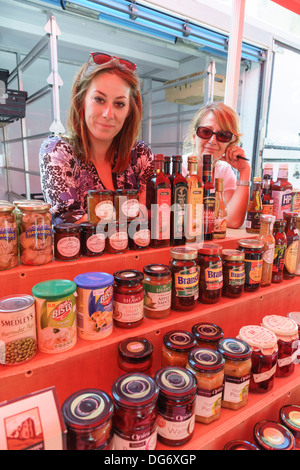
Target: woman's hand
{"points": [[231, 156]]}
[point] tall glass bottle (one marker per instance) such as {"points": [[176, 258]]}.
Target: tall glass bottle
{"points": [[297, 270], [179, 192], [282, 192], [266, 237], [280, 247], [158, 203], [220, 210], [266, 196], [195, 202], [268, 172], [167, 166], [254, 207], [292, 243], [209, 198]]}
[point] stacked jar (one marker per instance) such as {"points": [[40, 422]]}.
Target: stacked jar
{"points": [[135, 355], [207, 335], [8, 237], [175, 348]]}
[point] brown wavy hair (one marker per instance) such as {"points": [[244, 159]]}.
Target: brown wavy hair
{"points": [[78, 132]]}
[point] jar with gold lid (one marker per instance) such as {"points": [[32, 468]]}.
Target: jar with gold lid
{"points": [[100, 205], [157, 290], [233, 273], [8, 237], [175, 348], [185, 278]]}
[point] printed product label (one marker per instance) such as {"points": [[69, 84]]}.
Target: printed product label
{"points": [[161, 215], [264, 375], [7, 234], [290, 258], [208, 402], [286, 361], [68, 246], [220, 225], [278, 261], [236, 276], [268, 255], [94, 312], [130, 208], [157, 297], [253, 271], [142, 237], [187, 282], [180, 199], [119, 240], [195, 212], [209, 213], [104, 210], [140, 440], [128, 308], [268, 208], [176, 427], [41, 230], [96, 243], [214, 276], [253, 220], [236, 388], [282, 202]]}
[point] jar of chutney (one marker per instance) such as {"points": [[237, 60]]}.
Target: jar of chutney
{"points": [[253, 250], [100, 205], [67, 241], [135, 355], [128, 298], [233, 273], [157, 290], [185, 278], [207, 335], [211, 273], [175, 348], [92, 239]]}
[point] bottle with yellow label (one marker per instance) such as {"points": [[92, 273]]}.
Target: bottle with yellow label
{"points": [[193, 229]]}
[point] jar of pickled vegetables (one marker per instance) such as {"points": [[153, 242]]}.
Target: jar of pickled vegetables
{"points": [[270, 435], [290, 418], [185, 278], [128, 298], [117, 237], [264, 347], [126, 204], [211, 273], [207, 335], [8, 237], [100, 205], [208, 367], [35, 234], [67, 241], [286, 331], [176, 405], [135, 418], [135, 355], [233, 273], [157, 290], [237, 355], [92, 240], [175, 348], [253, 250]]}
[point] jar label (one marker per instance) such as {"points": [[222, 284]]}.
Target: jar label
{"points": [[40, 230], [253, 271], [119, 240], [68, 246], [176, 427], [157, 297], [236, 275], [208, 402], [253, 220], [160, 217], [138, 440], [268, 255], [214, 276], [7, 234], [264, 375], [220, 225], [278, 261], [130, 208], [96, 243], [286, 361], [187, 282], [104, 210], [282, 202], [128, 308], [290, 258], [142, 237], [236, 388]]}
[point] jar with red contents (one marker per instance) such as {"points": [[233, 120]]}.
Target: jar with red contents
{"points": [[207, 335], [286, 331], [211, 273], [253, 250], [116, 237], [135, 417], [135, 355], [128, 298], [67, 241], [92, 239], [233, 273], [280, 248]]}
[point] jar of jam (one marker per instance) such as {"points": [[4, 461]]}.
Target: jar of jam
{"points": [[135, 355], [139, 234], [270, 435], [239, 444], [157, 290], [296, 317], [286, 331], [264, 347], [207, 335], [67, 241], [253, 250], [280, 249], [127, 204], [88, 418], [8, 237], [135, 418], [185, 278], [290, 418], [176, 405], [92, 239], [211, 273], [175, 348], [292, 243], [237, 355], [128, 298], [208, 367], [100, 205], [233, 273], [117, 237]]}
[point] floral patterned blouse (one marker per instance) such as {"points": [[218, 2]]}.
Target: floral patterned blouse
{"points": [[65, 179]]}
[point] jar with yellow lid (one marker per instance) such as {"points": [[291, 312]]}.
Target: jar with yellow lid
{"points": [[233, 273], [185, 278], [8, 237], [157, 290], [35, 234], [175, 348], [100, 205]]}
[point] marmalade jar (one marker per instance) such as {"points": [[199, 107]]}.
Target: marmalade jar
{"points": [[175, 348], [208, 367], [92, 240], [127, 204], [270, 435], [264, 347], [286, 331], [185, 278], [207, 335], [88, 416], [233, 273], [237, 355], [290, 418], [211, 273], [176, 405], [128, 298], [157, 290], [100, 205], [253, 262], [135, 355], [135, 418], [8, 237], [280, 249], [117, 237], [67, 242]]}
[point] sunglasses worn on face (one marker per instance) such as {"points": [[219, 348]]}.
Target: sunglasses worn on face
{"points": [[206, 133], [100, 58]]}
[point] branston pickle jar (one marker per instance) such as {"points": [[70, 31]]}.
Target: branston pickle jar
{"points": [[207, 335], [290, 418], [211, 273], [176, 405], [286, 331], [100, 205], [270, 435], [8, 237], [157, 290], [175, 348], [185, 278], [128, 298], [67, 241], [208, 367], [237, 355], [233, 273], [88, 418], [92, 240], [135, 355], [253, 250], [135, 418], [264, 347]]}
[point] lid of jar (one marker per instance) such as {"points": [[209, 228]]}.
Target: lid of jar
{"points": [[28, 201], [67, 227], [136, 349], [268, 218], [94, 280], [174, 381], [15, 303], [210, 249], [179, 340], [87, 408], [93, 192], [273, 436], [290, 416], [206, 360], [258, 337], [120, 192], [129, 277], [42, 207], [135, 390], [54, 289], [183, 252], [250, 243], [6, 207], [88, 226], [289, 215], [280, 325], [239, 444], [207, 332], [235, 349], [157, 270], [233, 255], [294, 316]]}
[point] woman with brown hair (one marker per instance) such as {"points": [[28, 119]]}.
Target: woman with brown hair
{"points": [[101, 150]]}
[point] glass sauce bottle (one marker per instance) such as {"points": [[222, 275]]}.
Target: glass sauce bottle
{"points": [[220, 210], [266, 196], [195, 202], [209, 198], [292, 244], [282, 192], [268, 240], [179, 196], [254, 208], [280, 247]]}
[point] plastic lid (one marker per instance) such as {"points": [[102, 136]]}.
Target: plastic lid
{"points": [[294, 316], [94, 280], [129, 277], [207, 332], [179, 340], [176, 382], [54, 289], [210, 249], [273, 436], [126, 191], [67, 227], [88, 226], [250, 243], [157, 270], [290, 416], [87, 408], [233, 255], [235, 349], [135, 390], [206, 360], [135, 349], [258, 337], [280, 325], [183, 253], [99, 191], [15, 303], [239, 444]]}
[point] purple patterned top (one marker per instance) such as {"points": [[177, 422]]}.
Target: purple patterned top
{"points": [[65, 179]]}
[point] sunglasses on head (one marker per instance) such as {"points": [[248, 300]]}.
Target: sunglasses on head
{"points": [[100, 58], [206, 133]]}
